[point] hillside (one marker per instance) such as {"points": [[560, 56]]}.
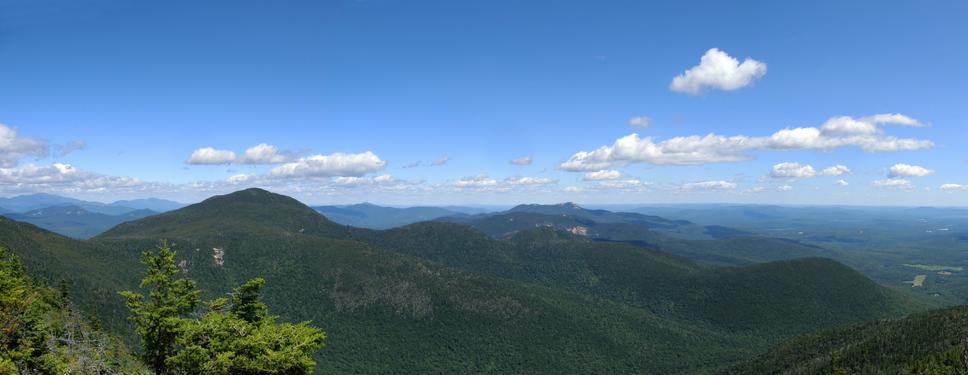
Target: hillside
{"points": [[75, 221], [934, 342], [442, 297], [366, 215], [41, 333], [770, 298], [683, 238]]}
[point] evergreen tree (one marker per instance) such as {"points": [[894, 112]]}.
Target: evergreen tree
{"points": [[159, 318], [232, 337]]}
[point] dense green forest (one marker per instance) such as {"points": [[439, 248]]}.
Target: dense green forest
{"points": [[41, 331], [446, 298], [934, 342]]}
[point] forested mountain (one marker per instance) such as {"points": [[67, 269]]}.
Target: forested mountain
{"points": [[934, 342], [711, 244], [74, 221], [367, 215], [444, 297]]}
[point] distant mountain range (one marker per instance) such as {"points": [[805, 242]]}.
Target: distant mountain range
{"points": [[74, 221], [24, 203], [367, 215], [79, 218], [442, 297]]}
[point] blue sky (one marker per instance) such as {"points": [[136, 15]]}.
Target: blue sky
{"points": [[358, 99]]}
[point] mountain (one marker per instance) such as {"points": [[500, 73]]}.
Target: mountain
{"points": [[439, 297], [716, 245], [24, 203], [30, 202], [934, 342], [74, 221], [674, 228], [153, 204], [366, 215]]}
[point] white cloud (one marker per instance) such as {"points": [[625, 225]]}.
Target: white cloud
{"points": [[713, 148], [710, 185], [757, 189], [384, 178], [717, 70], [893, 118], [846, 125], [631, 184], [63, 177], [475, 182], [792, 170], [530, 181], [334, 165], [349, 181], [784, 188], [954, 187], [907, 170], [524, 160], [211, 156], [13, 147], [573, 189], [841, 182], [836, 170], [602, 175], [441, 161], [897, 183], [239, 178], [264, 153], [640, 122]]}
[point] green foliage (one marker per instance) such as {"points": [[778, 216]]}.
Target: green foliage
{"points": [[243, 339], [934, 342], [39, 333], [158, 320]]}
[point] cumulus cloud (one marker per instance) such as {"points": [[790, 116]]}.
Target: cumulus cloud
{"points": [[573, 189], [441, 161], [631, 184], [62, 176], [382, 179], [796, 170], [602, 175], [841, 183], [792, 170], [475, 182], [896, 183], [524, 160], [784, 188], [14, 147], [239, 178], [907, 170], [954, 187], [264, 153], [713, 148], [718, 70], [210, 156], [709, 185], [334, 165], [640, 122], [529, 181], [836, 170]]}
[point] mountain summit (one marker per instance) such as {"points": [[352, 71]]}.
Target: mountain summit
{"points": [[251, 210]]}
